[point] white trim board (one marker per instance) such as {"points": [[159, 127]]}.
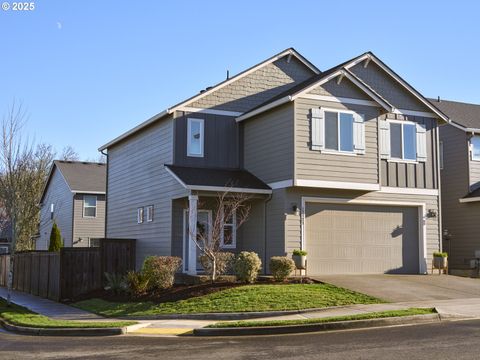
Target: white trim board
{"points": [[422, 226], [471, 199], [281, 184], [88, 192], [408, 191], [210, 111], [336, 99], [336, 185]]}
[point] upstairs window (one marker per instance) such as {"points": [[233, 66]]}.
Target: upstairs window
{"points": [[150, 213], [475, 147], [195, 137], [140, 215], [339, 131], [403, 141], [89, 206]]}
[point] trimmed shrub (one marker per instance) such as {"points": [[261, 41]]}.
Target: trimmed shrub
{"points": [[224, 263], [281, 267], [160, 271], [56, 242], [137, 283], [115, 283], [247, 265]]}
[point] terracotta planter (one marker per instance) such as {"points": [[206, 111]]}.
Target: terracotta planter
{"points": [[300, 261], [440, 262]]}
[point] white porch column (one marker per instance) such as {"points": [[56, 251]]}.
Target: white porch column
{"points": [[192, 234]]}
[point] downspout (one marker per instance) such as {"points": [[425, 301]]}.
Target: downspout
{"points": [[106, 197], [265, 233]]}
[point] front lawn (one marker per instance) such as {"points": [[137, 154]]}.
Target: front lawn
{"points": [[237, 299], [371, 315], [17, 315]]}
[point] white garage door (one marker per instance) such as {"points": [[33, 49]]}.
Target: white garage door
{"points": [[361, 239]]}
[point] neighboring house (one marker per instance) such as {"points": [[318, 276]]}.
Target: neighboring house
{"points": [[74, 198], [343, 163], [460, 181]]}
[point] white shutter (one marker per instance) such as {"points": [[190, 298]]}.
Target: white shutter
{"points": [[384, 139], [318, 129], [359, 133], [421, 143]]}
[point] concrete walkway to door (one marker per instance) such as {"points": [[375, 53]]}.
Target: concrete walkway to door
{"points": [[408, 288]]}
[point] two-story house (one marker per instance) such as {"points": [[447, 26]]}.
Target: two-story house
{"points": [[343, 163], [460, 164], [74, 198]]}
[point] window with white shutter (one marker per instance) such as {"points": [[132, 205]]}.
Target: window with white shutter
{"points": [[384, 139], [403, 141], [421, 132], [337, 131]]}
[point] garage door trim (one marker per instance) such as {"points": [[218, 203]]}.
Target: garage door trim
{"points": [[422, 227]]}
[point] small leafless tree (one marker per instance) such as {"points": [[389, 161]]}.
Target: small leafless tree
{"points": [[230, 207], [69, 154]]}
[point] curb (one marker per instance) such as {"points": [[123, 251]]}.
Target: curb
{"points": [[229, 316], [328, 326], [64, 331]]}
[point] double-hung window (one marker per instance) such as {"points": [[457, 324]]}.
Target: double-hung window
{"points": [[403, 141], [228, 236], [89, 206], [475, 147], [150, 213], [339, 131], [195, 137], [140, 215]]}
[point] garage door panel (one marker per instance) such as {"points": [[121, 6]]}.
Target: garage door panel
{"points": [[361, 239]]}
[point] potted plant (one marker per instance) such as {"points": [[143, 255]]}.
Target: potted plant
{"points": [[300, 259], [440, 260]]}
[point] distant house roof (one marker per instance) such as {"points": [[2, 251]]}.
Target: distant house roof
{"points": [[208, 179], [81, 177], [464, 114]]}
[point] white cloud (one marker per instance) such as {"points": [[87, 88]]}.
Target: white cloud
{"points": [[59, 25]]}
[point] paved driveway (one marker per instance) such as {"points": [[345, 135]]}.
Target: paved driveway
{"points": [[402, 288]]}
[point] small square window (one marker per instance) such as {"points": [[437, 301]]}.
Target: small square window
{"points": [[403, 141], [150, 213], [339, 131], [140, 215]]}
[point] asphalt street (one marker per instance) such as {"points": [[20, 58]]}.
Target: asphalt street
{"points": [[448, 340]]}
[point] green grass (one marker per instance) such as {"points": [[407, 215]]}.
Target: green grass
{"points": [[372, 315], [239, 299], [17, 315]]}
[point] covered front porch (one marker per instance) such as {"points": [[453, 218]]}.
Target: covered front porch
{"points": [[199, 215]]}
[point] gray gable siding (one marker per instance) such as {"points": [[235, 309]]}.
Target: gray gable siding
{"points": [[257, 87], [220, 141], [314, 165], [59, 194], [85, 228], [460, 219], [137, 178], [422, 175], [345, 89], [268, 144], [387, 87]]}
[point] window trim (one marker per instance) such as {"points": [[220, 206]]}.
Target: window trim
{"points": [[402, 159], [233, 225], [149, 213], [333, 151], [202, 137], [84, 206], [472, 148], [140, 218]]}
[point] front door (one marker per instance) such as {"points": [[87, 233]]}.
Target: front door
{"points": [[204, 225]]}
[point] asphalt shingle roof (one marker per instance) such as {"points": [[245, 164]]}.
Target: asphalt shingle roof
{"points": [[83, 176], [467, 115], [236, 178]]}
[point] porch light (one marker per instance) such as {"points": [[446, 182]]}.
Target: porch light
{"points": [[431, 213]]}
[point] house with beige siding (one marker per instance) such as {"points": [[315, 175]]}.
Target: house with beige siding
{"points": [[343, 163], [73, 198], [460, 174]]}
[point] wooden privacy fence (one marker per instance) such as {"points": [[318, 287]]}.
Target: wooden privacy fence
{"points": [[4, 266], [70, 272]]}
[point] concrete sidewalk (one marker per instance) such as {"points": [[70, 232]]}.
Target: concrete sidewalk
{"points": [[49, 308]]}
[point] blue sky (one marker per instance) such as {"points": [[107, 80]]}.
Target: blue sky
{"points": [[89, 70]]}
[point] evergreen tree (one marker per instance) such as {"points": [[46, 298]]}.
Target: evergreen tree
{"points": [[55, 239]]}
